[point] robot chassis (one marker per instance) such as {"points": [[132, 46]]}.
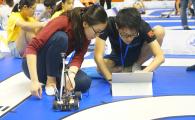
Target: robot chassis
{"points": [[66, 100]]}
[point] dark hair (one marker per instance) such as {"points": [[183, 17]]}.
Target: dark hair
{"points": [[28, 3], [93, 15], [59, 6], [10, 3], [49, 3], [128, 18]]}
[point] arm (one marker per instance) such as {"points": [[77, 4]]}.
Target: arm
{"points": [[158, 56], [78, 58], [32, 61], [99, 53], [36, 89], [29, 26], [70, 79], [75, 65]]}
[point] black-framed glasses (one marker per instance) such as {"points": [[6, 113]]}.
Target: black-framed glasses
{"points": [[126, 35], [97, 32]]}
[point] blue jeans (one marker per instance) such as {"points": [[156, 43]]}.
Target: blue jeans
{"points": [[49, 62], [184, 6]]}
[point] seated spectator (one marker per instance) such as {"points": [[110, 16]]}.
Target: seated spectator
{"points": [[48, 12], [63, 6], [21, 27]]}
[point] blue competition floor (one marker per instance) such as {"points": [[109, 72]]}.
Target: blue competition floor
{"points": [[167, 81], [173, 20], [9, 66]]}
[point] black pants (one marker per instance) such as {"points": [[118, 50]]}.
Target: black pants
{"points": [[108, 2], [49, 62]]}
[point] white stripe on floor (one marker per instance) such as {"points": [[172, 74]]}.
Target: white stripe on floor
{"points": [[167, 21], [168, 62], [13, 91], [139, 109], [174, 62], [177, 27]]}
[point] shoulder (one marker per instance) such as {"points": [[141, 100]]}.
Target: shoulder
{"points": [[56, 14], [144, 23], [63, 20], [147, 32], [15, 16], [144, 27]]}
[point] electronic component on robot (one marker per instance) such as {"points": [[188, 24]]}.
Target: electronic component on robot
{"points": [[66, 100]]}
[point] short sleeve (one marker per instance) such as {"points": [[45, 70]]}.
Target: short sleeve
{"points": [[147, 32]]}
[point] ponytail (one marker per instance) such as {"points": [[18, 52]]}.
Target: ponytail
{"points": [[58, 7], [16, 8]]}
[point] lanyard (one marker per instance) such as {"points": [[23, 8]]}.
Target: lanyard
{"points": [[126, 50], [73, 53]]}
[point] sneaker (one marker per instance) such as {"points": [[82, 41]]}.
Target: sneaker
{"points": [[50, 90], [190, 68], [136, 67], [187, 28]]}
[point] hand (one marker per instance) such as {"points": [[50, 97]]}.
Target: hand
{"points": [[36, 89], [70, 83]]}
